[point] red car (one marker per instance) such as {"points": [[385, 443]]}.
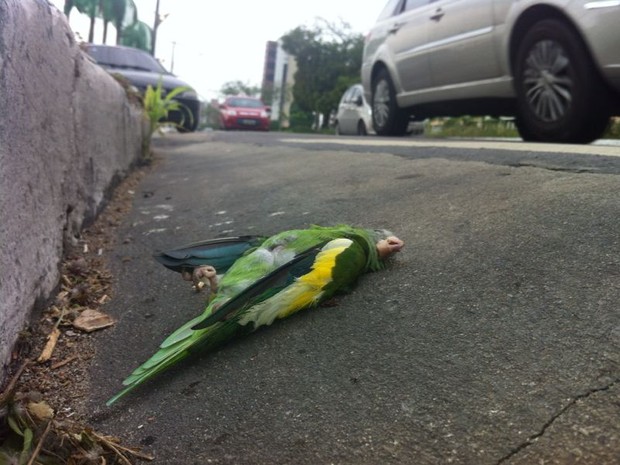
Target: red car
{"points": [[244, 113]]}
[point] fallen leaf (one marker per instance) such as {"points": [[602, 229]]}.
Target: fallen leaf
{"points": [[91, 320], [52, 339], [40, 410]]}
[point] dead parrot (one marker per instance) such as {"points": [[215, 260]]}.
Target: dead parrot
{"points": [[265, 279]]}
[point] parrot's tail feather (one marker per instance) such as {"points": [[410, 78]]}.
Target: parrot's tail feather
{"points": [[145, 375], [153, 364], [183, 332], [167, 356]]}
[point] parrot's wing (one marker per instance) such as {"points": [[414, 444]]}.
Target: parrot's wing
{"points": [[179, 344], [220, 253], [265, 287], [302, 282]]}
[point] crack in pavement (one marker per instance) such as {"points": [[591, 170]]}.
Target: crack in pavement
{"points": [[532, 439], [579, 169]]}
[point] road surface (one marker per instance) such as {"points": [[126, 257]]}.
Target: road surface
{"points": [[493, 338]]}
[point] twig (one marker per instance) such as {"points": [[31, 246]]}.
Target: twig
{"points": [[114, 447], [62, 315], [118, 453], [66, 281], [63, 362], [4, 396], [37, 449]]}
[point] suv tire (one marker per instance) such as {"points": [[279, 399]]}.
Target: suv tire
{"points": [[560, 95], [361, 129], [387, 118]]}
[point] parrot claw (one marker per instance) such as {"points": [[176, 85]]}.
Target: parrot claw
{"points": [[202, 276]]}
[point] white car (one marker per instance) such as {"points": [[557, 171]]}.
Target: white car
{"points": [[354, 114], [553, 64]]}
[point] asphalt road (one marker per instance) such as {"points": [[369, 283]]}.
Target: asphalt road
{"points": [[493, 338]]}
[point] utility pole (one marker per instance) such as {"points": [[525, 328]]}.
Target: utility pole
{"points": [[174, 44], [156, 24]]}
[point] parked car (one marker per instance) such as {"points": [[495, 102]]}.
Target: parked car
{"points": [[354, 114], [142, 70], [553, 64], [244, 113]]}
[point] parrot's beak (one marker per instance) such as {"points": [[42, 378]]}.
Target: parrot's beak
{"points": [[388, 246]]}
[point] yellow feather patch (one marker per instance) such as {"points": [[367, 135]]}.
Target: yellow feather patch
{"points": [[304, 292]]}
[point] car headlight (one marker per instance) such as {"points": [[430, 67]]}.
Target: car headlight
{"points": [[264, 114], [231, 112]]}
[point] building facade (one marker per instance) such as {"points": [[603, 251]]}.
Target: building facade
{"points": [[278, 80]]}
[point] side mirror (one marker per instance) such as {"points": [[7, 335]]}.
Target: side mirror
{"points": [[359, 101], [268, 109]]}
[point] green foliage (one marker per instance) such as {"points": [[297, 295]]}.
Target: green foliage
{"points": [[138, 35], [157, 106], [239, 88], [211, 114], [471, 126], [299, 120], [17, 446], [613, 131], [122, 13], [329, 59]]}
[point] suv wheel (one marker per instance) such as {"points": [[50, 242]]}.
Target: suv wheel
{"points": [[361, 129], [387, 118], [190, 121], [560, 96]]}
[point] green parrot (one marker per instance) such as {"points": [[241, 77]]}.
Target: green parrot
{"points": [[265, 279]]}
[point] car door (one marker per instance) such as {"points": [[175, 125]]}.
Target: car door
{"points": [[461, 42], [407, 34], [344, 112], [353, 110]]}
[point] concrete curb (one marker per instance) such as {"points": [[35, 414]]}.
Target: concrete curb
{"points": [[67, 135]]}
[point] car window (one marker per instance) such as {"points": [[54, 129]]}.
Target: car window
{"points": [[355, 94], [245, 103], [346, 97], [411, 4], [392, 8], [125, 58]]}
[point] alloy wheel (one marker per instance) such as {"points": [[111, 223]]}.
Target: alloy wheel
{"points": [[381, 103], [547, 80]]}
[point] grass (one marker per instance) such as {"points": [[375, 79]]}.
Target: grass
{"points": [[468, 126]]}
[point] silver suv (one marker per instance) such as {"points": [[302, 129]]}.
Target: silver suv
{"points": [[553, 64]]}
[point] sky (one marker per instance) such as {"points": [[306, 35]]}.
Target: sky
{"points": [[214, 42]]}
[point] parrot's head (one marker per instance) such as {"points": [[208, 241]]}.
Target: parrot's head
{"points": [[387, 243]]}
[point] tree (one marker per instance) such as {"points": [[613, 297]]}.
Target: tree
{"points": [[329, 58], [137, 35], [239, 88], [121, 13], [87, 7]]}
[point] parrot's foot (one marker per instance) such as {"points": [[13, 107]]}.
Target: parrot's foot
{"points": [[201, 277]]}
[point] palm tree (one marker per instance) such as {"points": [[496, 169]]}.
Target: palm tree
{"points": [[121, 13], [138, 35], [87, 7]]}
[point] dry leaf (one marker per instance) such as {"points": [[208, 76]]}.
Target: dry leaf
{"points": [[52, 339], [41, 410], [92, 320]]}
